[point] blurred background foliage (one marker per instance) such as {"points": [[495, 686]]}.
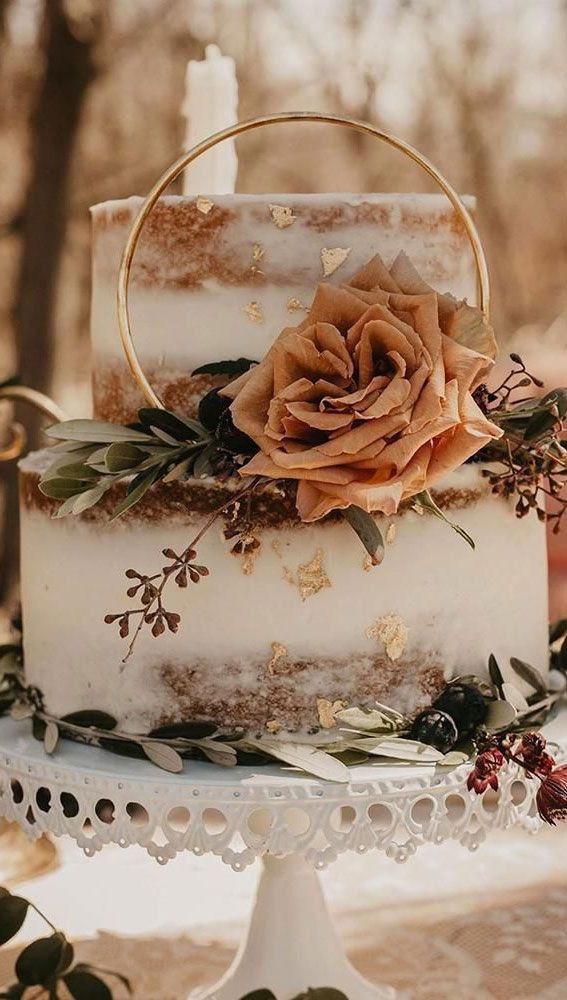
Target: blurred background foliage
{"points": [[91, 92]]}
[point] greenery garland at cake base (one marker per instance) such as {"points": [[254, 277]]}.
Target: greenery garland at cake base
{"points": [[469, 716]]}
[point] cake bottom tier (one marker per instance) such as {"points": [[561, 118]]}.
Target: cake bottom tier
{"points": [[276, 637]]}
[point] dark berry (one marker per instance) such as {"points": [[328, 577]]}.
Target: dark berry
{"points": [[435, 728], [465, 705], [211, 408]]}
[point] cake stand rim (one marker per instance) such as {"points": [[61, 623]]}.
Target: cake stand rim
{"points": [[286, 816], [19, 750]]}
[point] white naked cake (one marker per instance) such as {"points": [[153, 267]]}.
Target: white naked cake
{"points": [[369, 407]]}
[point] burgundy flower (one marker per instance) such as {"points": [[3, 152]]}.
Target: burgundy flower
{"points": [[531, 749], [544, 765], [551, 798], [485, 771]]}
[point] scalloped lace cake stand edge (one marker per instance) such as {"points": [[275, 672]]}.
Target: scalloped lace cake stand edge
{"points": [[294, 823]]}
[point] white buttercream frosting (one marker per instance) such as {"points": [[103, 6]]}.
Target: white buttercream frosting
{"points": [[457, 605]]}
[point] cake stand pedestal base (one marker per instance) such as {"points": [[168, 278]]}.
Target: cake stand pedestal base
{"points": [[291, 942]]}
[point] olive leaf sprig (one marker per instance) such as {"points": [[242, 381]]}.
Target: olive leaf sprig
{"points": [[48, 962], [94, 456], [533, 448]]}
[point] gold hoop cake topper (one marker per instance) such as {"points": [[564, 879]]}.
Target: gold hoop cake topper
{"points": [[176, 168]]}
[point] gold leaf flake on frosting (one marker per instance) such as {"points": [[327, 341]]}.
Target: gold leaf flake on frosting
{"points": [[204, 205], [296, 305], [257, 252], [391, 533], [327, 711], [279, 652], [367, 564], [332, 258], [282, 216], [273, 726], [254, 312], [392, 632], [311, 577], [248, 560]]}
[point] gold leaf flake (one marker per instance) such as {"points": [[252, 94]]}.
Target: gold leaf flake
{"points": [[254, 312], [296, 305], [367, 564], [288, 576], [273, 726], [277, 547], [332, 258], [204, 205], [391, 533], [282, 216], [248, 560], [392, 632], [279, 652], [257, 252], [311, 577], [327, 711]]}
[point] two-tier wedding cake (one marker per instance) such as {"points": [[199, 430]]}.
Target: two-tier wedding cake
{"points": [[369, 406]]}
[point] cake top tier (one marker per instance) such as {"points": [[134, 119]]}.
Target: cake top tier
{"points": [[219, 277]]}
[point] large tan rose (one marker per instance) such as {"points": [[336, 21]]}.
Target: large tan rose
{"points": [[369, 400]]}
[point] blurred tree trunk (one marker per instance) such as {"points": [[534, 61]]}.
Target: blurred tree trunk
{"points": [[69, 53]]}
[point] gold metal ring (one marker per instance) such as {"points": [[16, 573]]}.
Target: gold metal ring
{"points": [[169, 175], [17, 444]]}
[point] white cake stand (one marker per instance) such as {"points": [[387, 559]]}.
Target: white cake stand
{"points": [[294, 823]]}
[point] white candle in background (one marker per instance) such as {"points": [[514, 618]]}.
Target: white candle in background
{"points": [[211, 100]]}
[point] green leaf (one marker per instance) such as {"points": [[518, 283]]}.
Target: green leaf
{"points": [[365, 720], [202, 465], [495, 674], [122, 748], [122, 455], [232, 368], [163, 756], [13, 911], [85, 985], [95, 431], [500, 714], [543, 419], [81, 502], [177, 427], [259, 995], [557, 630], [41, 960], [77, 470], [425, 500], [367, 530], [321, 993], [185, 730], [139, 485], [60, 489], [529, 674], [14, 992], [91, 717], [514, 697], [303, 756], [400, 749]]}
